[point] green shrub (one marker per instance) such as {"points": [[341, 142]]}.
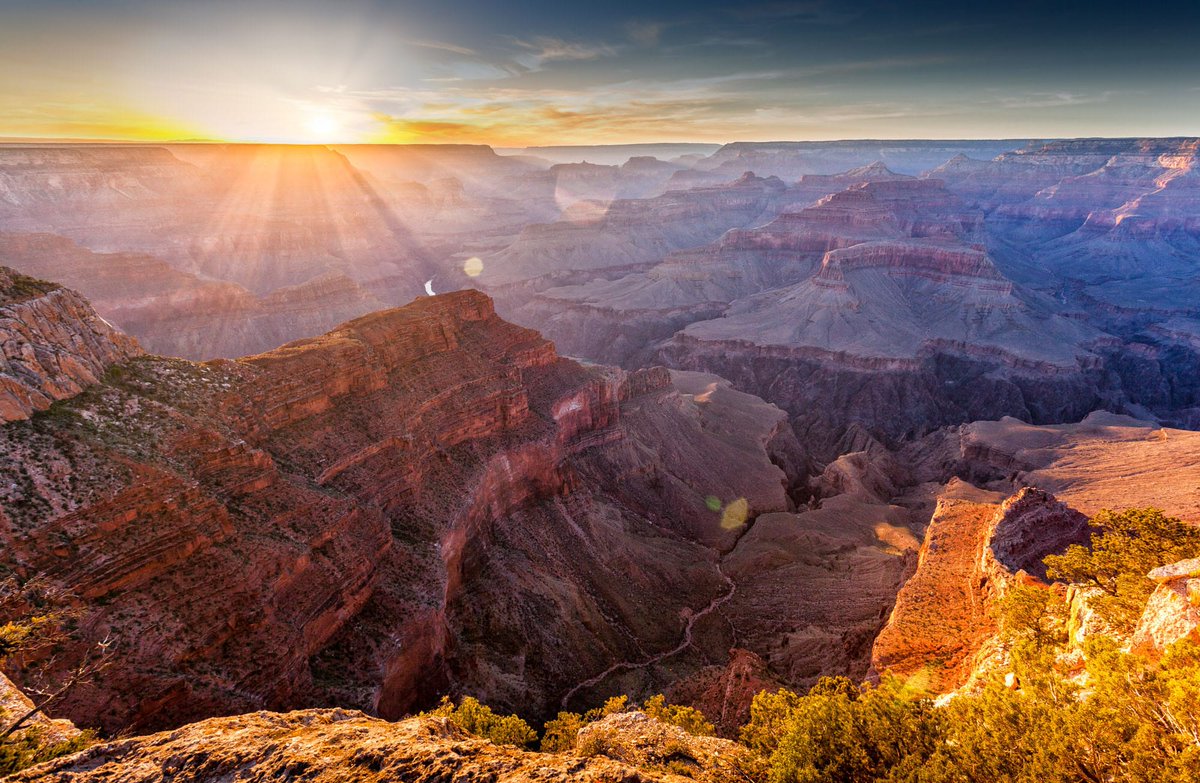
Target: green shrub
{"points": [[1125, 546], [1032, 615], [837, 732], [475, 718], [688, 718], [559, 734], [1137, 722], [26, 748]]}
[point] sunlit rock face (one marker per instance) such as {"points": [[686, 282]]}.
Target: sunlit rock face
{"points": [[425, 498], [976, 549], [345, 746], [1173, 611], [997, 497]]}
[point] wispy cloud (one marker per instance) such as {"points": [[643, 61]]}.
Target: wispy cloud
{"points": [[813, 11], [1042, 100], [443, 46], [645, 33], [540, 50]]}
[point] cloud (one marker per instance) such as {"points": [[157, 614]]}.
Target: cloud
{"points": [[398, 129], [1043, 100], [443, 46], [543, 49], [813, 11], [644, 33]]}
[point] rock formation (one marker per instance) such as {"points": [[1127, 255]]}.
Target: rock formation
{"points": [[324, 746], [370, 503], [52, 345], [1173, 611], [974, 550], [994, 521], [620, 320], [626, 234], [645, 743], [870, 377]]}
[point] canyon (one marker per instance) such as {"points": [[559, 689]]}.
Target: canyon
{"points": [[375, 497], [727, 421]]}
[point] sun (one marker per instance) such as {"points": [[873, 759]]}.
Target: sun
{"points": [[322, 126]]}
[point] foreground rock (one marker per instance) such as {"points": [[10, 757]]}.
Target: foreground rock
{"points": [[643, 742], [324, 746], [1173, 611]]}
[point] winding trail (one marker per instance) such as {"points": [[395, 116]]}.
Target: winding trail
{"points": [[684, 643]]}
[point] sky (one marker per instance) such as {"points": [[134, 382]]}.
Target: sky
{"points": [[562, 72]]}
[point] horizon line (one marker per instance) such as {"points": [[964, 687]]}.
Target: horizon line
{"points": [[33, 141]]}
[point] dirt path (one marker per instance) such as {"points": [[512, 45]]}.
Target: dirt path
{"points": [[686, 640]]}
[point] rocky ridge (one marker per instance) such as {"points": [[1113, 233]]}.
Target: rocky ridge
{"points": [[993, 522], [52, 345], [942, 629], [349, 747], [374, 498]]}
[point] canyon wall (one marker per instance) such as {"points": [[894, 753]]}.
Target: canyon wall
{"points": [[424, 499]]}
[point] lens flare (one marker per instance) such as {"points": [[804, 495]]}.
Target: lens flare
{"points": [[735, 514], [473, 266]]}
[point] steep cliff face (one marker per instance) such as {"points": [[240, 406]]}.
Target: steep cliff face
{"points": [[993, 522], [426, 498], [52, 345], [942, 627]]}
